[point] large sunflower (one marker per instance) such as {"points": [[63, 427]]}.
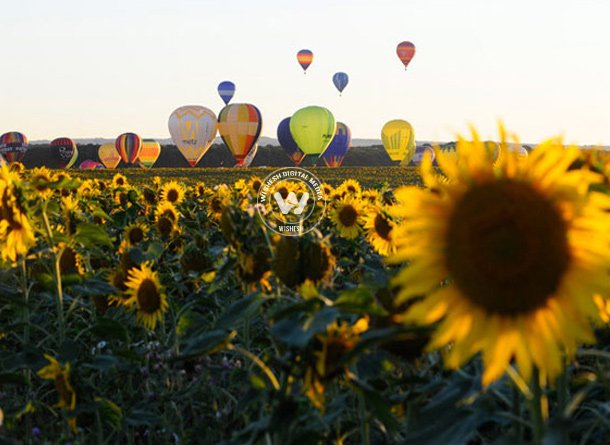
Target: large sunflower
{"points": [[146, 295], [508, 258], [379, 229], [347, 217]]}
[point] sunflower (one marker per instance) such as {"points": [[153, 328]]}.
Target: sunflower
{"points": [[133, 234], [520, 249], [17, 167], [146, 295], [199, 190], [379, 229], [255, 184], [87, 189], [70, 261], [16, 233], [60, 375], [349, 188], [371, 196], [255, 268], [347, 216], [118, 180], [166, 209], [328, 189], [172, 192], [219, 199], [41, 177]]}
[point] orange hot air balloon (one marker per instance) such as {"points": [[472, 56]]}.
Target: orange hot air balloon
{"points": [[405, 51], [305, 57], [240, 126], [108, 155], [150, 152]]}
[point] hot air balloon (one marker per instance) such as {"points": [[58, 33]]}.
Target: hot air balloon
{"points": [[305, 57], [65, 151], [340, 80], [398, 139], [13, 146], [2, 161], [226, 90], [312, 128], [129, 145], [419, 154], [287, 142], [150, 152], [250, 157], [90, 165], [334, 154], [405, 51], [108, 155], [193, 129], [240, 126]]}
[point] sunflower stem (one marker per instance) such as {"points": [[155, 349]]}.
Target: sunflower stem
{"points": [[57, 275], [26, 341], [258, 362], [365, 427], [536, 408], [516, 411]]}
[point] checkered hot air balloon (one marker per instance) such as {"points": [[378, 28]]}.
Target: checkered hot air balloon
{"points": [[240, 126], [129, 146]]}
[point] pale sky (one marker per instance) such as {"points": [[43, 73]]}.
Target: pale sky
{"points": [[81, 68]]}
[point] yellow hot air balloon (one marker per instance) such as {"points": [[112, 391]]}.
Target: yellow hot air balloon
{"points": [[150, 152], [398, 139], [109, 156], [240, 126], [313, 128]]}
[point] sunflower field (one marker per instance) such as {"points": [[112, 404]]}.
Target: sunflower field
{"points": [[464, 304]]}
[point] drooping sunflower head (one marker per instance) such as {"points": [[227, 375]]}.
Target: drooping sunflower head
{"points": [[149, 195], [304, 258], [119, 180], [70, 261], [146, 295], [172, 192], [515, 242], [347, 216]]}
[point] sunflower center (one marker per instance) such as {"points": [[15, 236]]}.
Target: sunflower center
{"points": [[172, 195], [382, 227], [348, 215], [149, 299], [507, 247], [283, 191], [136, 235], [165, 225]]}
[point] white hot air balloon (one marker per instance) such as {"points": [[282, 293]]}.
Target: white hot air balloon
{"points": [[193, 129]]}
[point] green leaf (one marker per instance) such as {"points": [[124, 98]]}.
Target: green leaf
{"points": [[359, 300], [107, 328], [13, 378], [103, 363], [243, 307], [142, 417], [207, 342], [110, 412], [91, 235], [292, 333]]}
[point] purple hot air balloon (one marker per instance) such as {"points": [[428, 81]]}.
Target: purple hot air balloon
{"points": [[287, 142], [335, 153]]}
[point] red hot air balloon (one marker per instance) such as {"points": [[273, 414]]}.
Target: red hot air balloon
{"points": [[405, 51], [305, 57], [65, 152], [129, 146]]}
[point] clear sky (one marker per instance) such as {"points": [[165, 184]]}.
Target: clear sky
{"points": [[85, 69]]}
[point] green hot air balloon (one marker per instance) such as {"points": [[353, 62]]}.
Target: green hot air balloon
{"points": [[313, 128]]}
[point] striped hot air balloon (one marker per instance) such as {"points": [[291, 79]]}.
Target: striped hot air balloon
{"points": [[151, 150], [335, 153], [405, 52], [305, 57], [129, 145], [65, 151], [108, 155], [226, 90], [13, 146], [240, 126]]}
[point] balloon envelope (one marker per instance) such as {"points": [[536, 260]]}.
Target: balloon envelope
{"points": [[405, 52], [65, 151], [226, 90], [129, 145], [193, 129], [240, 126], [312, 128], [150, 152], [340, 80], [305, 57], [90, 165], [13, 146], [250, 157], [398, 139], [335, 153], [419, 154], [287, 142], [108, 155]]}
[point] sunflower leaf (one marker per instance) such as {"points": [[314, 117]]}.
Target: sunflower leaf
{"points": [[91, 235]]}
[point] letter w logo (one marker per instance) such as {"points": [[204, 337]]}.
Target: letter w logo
{"points": [[291, 202], [188, 130]]}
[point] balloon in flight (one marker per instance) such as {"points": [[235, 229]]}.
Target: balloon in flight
{"points": [[226, 90], [335, 153], [398, 139], [240, 126], [305, 57], [13, 146], [340, 80], [150, 152], [108, 155], [312, 128], [405, 52], [287, 142], [65, 151], [129, 145], [193, 129]]}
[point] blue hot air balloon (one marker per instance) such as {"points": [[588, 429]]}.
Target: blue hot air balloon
{"points": [[340, 80], [226, 90], [287, 142], [335, 153]]}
